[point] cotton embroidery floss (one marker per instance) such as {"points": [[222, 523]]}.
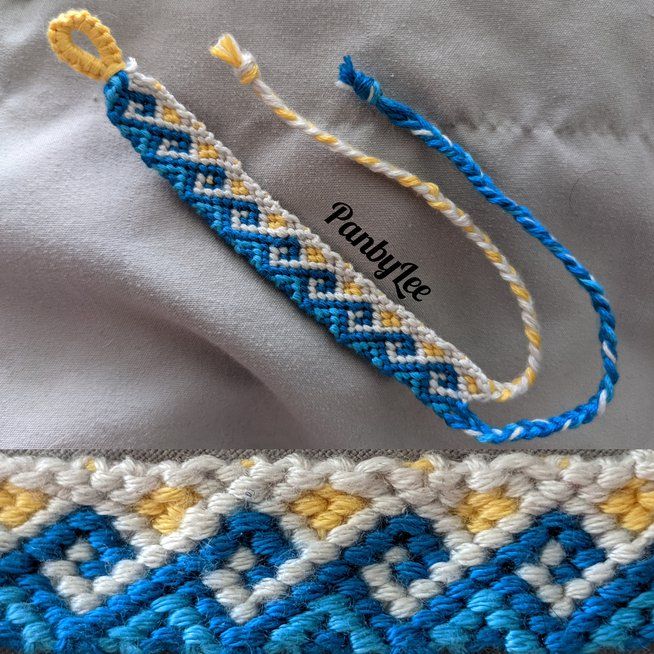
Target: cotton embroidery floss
{"points": [[457, 414], [515, 553], [211, 180]]}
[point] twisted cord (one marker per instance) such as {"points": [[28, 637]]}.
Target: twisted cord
{"points": [[369, 90], [247, 71]]}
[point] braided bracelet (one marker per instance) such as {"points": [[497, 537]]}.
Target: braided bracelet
{"points": [[456, 414], [211, 180]]}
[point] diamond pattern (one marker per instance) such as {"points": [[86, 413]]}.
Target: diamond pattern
{"points": [[378, 595], [358, 315]]}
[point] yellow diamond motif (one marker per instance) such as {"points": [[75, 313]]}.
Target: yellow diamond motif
{"points": [[315, 255], [632, 505], [170, 115], [390, 319], [432, 350], [18, 505], [275, 221], [207, 151], [480, 511], [238, 188], [421, 464], [165, 507], [326, 508], [350, 288]]}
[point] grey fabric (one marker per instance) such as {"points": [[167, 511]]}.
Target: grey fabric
{"points": [[125, 324]]}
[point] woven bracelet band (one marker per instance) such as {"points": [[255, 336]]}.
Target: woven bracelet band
{"points": [[517, 553], [211, 180]]}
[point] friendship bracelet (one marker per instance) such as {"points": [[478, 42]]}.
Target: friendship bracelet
{"points": [[458, 415], [211, 180], [518, 553]]}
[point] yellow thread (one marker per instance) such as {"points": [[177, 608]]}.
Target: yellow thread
{"points": [[324, 137], [326, 508], [390, 319], [439, 205], [60, 31], [409, 181], [366, 160], [530, 374], [352, 289], [247, 463], [494, 256], [250, 75], [227, 50], [207, 151], [170, 115], [533, 336], [90, 465], [432, 350], [421, 464], [275, 221], [520, 291], [315, 255], [633, 505], [285, 113], [480, 511], [471, 383], [506, 393], [18, 505], [165, 507], [238, 187]]}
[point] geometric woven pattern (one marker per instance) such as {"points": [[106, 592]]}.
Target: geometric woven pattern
{"points": [[561, 560], [207, 177], [210, 179]]}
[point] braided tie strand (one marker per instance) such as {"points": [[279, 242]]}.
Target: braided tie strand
{"points": [[247, 71], [369, 90]]}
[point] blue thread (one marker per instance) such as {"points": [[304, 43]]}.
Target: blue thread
{"points": [[172, 610], [457, 414]]}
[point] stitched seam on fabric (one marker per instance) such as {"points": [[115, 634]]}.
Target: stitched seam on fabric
{"points": [[273, 454]]}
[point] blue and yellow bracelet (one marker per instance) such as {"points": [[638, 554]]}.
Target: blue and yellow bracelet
{"points": [[211, 180]]}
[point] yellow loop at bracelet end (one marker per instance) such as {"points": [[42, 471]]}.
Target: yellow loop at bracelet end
{"points": [[102, 67]]}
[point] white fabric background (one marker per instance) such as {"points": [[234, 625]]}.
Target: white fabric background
{"points": [[125, 323]]}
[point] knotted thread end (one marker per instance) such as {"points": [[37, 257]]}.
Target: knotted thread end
{"points": [[366, 88], [228, 50]]}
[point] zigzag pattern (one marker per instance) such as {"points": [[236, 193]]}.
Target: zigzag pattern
{"points": [[518, 553], [172, 609], [207, 176]]}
